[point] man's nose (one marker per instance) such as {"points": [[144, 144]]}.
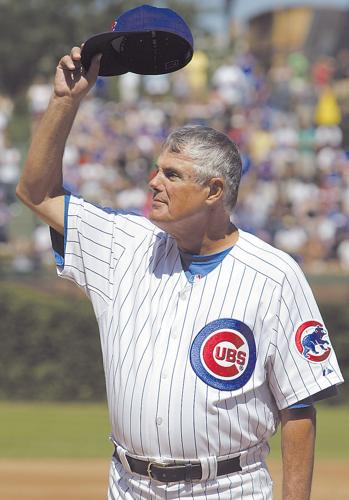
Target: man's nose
{"points": [[154, 181]]}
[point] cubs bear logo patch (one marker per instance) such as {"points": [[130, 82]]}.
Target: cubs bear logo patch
{"points": [[312, 341], [223, 354]]}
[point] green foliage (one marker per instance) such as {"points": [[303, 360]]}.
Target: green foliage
{"points": [[35, 34], [49, 347]]}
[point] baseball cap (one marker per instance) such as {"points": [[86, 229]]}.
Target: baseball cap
{"points": [[146, 40]]}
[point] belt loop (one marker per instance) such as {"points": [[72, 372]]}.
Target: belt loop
{"points": [[188, 469], [209, 468], [123, 458]]}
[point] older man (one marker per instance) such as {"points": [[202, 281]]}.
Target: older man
{"points": [[210, 337]]}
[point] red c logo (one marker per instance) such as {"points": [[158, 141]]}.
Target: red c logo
{"points": [[225, 354]]}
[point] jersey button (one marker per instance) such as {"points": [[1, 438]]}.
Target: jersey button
{"points": [[184, 293], [159, 421], [164, 375]]}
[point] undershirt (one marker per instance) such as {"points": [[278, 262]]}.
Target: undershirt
{"points": [[197, 266]]}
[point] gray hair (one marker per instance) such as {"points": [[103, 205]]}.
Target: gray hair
{"points": [[214, 154]]}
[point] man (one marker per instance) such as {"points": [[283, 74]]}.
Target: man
{"points": [[209, 335]]}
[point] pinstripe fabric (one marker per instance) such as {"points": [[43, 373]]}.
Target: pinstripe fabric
{"points": [[149, 315]]}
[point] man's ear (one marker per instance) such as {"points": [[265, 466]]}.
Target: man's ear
{"points": [[216, 192]]}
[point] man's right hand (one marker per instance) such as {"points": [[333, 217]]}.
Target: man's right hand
{"points": [[71, 80]]}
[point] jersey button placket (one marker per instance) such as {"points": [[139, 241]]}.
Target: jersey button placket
{"points": [[175, 322], [159, 380]]}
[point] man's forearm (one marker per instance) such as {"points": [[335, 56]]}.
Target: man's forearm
{"points": [[42, 173], [41, 184], [298, 440]]}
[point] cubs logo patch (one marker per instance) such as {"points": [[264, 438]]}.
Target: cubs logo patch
{"points": [[312, 341], [223, 354]]}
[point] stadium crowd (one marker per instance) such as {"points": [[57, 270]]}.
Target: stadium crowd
{"points": [[287, 122]]}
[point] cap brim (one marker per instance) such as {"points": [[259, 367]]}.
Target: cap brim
{"points": [[110, 64], [145, 53]]}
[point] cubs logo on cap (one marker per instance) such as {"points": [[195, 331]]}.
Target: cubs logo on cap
{"points": [[223, 354], [312, 341]]}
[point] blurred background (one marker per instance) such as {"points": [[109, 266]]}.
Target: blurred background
{"points": [[274, 76]]}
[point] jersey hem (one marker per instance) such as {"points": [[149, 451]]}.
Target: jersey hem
{"points": [[310, 391]]}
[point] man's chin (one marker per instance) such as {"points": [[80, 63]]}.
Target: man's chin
{"points": [[158, 220]]}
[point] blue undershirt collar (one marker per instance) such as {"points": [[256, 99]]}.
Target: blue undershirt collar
{"points": [[197, 266]]}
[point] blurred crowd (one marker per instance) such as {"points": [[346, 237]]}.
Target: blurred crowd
{"points": [[288, 122]]}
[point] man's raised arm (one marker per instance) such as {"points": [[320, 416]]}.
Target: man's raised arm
{"points": [[41, 184]]}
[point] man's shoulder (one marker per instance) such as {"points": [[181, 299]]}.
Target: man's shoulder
{"points": [[267, 257], [136, 221]]}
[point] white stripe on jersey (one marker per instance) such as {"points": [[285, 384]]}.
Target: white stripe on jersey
{"points": [[149, 316]]}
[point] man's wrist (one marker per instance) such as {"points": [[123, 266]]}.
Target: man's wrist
{"points": [[66, 101]]}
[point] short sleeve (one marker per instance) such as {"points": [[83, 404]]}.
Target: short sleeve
{"points": [[319, 396], [302, 361], [85, 253]]}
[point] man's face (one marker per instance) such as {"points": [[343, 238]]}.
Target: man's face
{"points": [[177, 196]]}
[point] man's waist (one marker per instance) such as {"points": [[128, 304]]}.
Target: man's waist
{"points": [[170, 471], [166, 469]]}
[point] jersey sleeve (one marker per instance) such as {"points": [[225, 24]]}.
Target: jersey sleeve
{"points": [[302, 361], [86, 254], [319, 396]]}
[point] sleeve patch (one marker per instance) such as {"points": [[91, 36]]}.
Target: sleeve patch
{"points": [[312, 341]]}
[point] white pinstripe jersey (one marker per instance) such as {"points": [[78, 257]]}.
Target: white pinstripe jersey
{"points": [[195, 370]]}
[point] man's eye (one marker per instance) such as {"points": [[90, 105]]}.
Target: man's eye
{"points": [[170, 174]]}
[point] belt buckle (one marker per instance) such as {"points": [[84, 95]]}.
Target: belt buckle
{"points": [[158, 464]]}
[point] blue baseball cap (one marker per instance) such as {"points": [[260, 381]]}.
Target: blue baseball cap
{"points": [[146, 40]]}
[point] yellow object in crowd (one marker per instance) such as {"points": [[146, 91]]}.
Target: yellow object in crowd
{"points": [[327, 110], [197, 71]]}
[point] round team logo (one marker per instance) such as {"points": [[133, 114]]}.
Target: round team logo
{"points": [[223, 354], [312, 341]]}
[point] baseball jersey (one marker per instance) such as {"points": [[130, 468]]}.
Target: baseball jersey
{"points": [[195, 371]]}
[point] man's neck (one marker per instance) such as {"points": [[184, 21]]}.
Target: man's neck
{"points": [[208, 242]]}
